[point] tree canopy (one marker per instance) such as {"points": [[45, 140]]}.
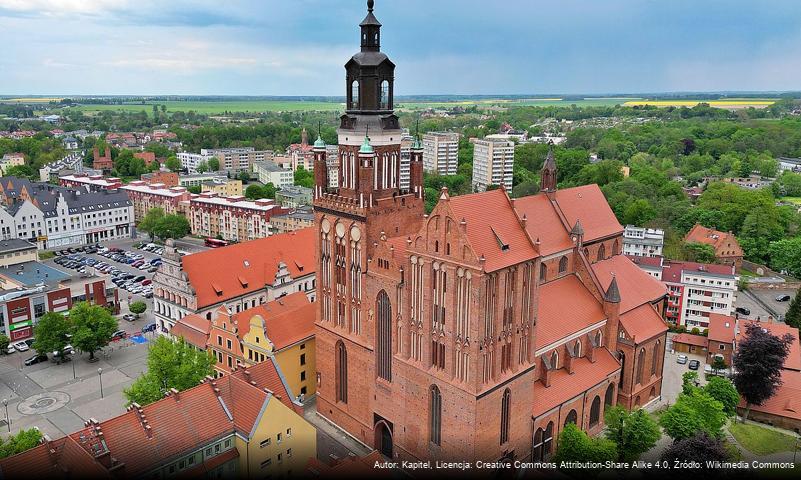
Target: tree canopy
{"points": [[92, 327], [634, 432], [758, 362]]}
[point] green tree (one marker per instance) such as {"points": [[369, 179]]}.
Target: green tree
{"points": [[196, 189], [693, 412], [786, 255], [633, 432], [793, 316], [170, 364], [137, 308], [24, 171], [254, 192], [576, 446], [214, 164], [172, 226], [20, 442], [203, 167], [4, 341], [245, 177], [172, 163], [699, 252], [51, 333], [689, 382], [722, 390], [639, 213], [151, 220], [304, 178], [719, 364], [92, 327]]}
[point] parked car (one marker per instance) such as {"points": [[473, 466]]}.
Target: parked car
{"points": [[146, 282], [783, 298], [10, 349], [150, 327], [39, 357], [681, 359], [129, 317], [139, 278], [742, 311], [119, 335], [29, 341], [694, 364], [21, 346]]}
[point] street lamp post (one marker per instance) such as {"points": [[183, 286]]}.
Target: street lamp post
{"points": [[73, 370], [8, 421], [100, 374]]}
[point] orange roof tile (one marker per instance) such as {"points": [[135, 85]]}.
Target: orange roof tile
{"points": [[588, 204], [268, 375], [722, 328], [565, 386], [256, 261], [565, 307], [493, 229], [636, 287], [690, 339], [786, 402], [643, 322], [278, 307], [194, 329], [722, 241], [543, 223], [291, 327]]}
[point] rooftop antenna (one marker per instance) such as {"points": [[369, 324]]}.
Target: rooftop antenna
{"points": [[319, 123]]}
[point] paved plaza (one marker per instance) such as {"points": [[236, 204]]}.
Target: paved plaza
{"points": [[58, 399]]}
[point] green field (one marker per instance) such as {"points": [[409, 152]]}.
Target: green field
{"points": [[793, 200], [219, 107], [760, 440]]}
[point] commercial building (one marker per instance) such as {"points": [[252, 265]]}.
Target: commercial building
{"points": [[238, 276], [231, 218], [441, 152], [493, 162], [295, 220], [29, 290], [243, 425], [727, 248], [643, 242], [14, 251], [294, 196], [146, 197], [477, 331], [695, 290], [55, 216], [269, 172], [223, 187]]}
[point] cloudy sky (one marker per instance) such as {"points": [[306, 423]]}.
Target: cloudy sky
{"points": [[298, 47]]}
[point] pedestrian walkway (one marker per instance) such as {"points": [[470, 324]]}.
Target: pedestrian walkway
{"points": [[332, 441]]}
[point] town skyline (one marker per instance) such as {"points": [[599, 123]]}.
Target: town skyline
{"points": [[286, 49]]}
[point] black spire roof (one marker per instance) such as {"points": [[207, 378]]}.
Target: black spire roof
{"points": [[370, 18]]}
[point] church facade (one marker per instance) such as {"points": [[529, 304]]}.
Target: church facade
{"points": [[481, 329]]}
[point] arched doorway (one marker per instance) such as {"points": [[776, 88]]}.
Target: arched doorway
{"points": [[383, 439]]}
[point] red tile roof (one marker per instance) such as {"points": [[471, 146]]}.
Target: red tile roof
{"points": [[690, 339], [543, 223], [255, 261], [268, 375], [559, 297], [291, 327], [565, 386], [653, 262], [725, 244], [643, 322], [194, 329], [672, 270], [493, 229], [588, 204], [786, 402], [636, 286], [278, 307], [722, 328]]}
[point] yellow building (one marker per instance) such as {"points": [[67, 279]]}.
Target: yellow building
{"points": [[284, 330], [228, 188]]}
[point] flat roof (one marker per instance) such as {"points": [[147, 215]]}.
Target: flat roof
{"points": [[31, 274], [15, 245]]}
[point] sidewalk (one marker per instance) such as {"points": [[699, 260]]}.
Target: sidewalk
{"points": [[331, 440]]}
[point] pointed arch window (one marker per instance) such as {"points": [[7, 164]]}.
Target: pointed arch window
{"points": [[609, 396], [341, 373], [601, 252], [563, 265], [435, 409], [543, 272], [547, 441], [640, 366], [384, 336], [572, 417], [655, 358], [384, 100], [506, 406], [595, 411]]}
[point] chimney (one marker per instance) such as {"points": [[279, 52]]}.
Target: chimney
{"points": [[175, 394]]}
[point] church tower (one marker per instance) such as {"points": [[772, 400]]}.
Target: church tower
{"points": [[548, 174], [353, 220]]}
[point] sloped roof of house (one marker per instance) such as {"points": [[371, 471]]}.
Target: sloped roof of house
{"points": [[643, 322], [565, 307], [636, 287], [223, 273]]}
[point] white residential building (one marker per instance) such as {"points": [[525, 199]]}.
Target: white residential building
{"points": [[405, 160], [190, 161], [643, 242], [441, 152], [493, 162], [269, 172], [332, 162]]}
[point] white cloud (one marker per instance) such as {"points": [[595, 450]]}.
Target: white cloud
{"points": [[63, 7]]}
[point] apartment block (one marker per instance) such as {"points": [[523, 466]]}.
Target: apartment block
{"points": [[493, 161], [643, 242], [231, 218], [156, 195], [269, 172], [441, 152]]}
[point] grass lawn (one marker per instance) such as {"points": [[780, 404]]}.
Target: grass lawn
{"points": [[760, 440], [795, 200]]}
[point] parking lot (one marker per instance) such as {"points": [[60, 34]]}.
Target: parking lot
{"points": [[672, 372], [768, 296]]}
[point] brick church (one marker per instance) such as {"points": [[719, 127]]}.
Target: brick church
{"points": [[480, 330]]}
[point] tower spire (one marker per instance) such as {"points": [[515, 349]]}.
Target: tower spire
{"points": [[548, 174]]}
